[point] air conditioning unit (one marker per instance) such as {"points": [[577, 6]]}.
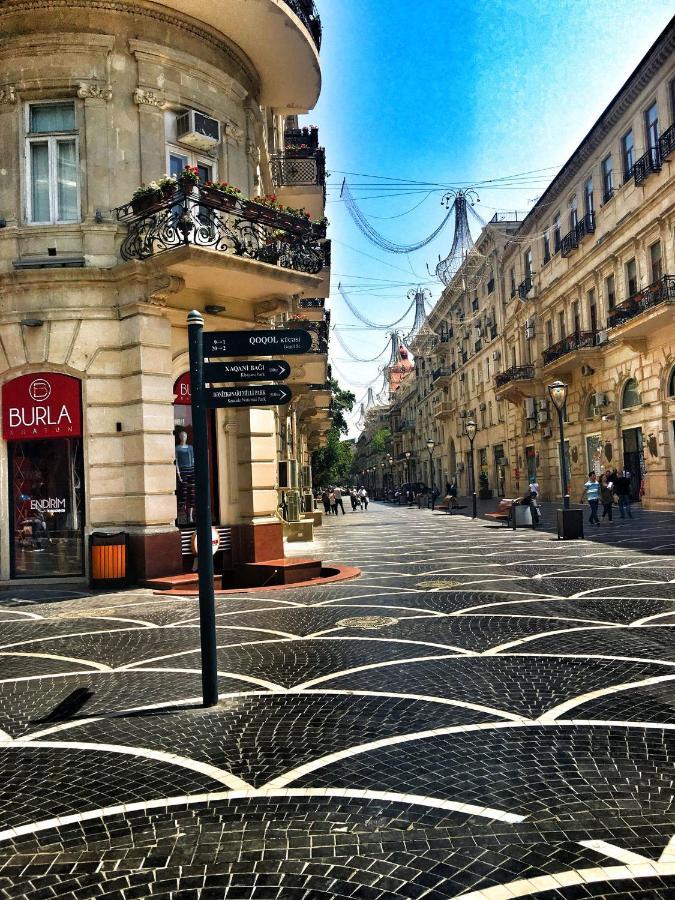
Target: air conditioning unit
{"points": [[599, 400], [496, 355], [530, 409], [542, 404], [483, 407], [529, 328], [603, 337], [542, 416], [288, 474], [546, 431], [197, 130]]}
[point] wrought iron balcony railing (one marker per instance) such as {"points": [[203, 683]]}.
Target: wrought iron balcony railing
{"points": [[569, 243], [575, 341], [585, 226], [306, 11], [443, 371], [446, 335], [525, 287], [299, 167], [667, 142], [515, 373], [307, 137], [659, 292], [214, 220], [312, 303], [648, 163]]}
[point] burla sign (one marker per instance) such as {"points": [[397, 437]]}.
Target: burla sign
{"points": [[42, 405]]}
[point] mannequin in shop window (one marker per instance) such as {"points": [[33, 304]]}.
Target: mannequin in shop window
{"points": [[185, 478]]}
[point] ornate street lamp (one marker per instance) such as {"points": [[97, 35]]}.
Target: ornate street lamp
{"points": [[558, 394], [407, 465], [471, 429], [390, 460]]}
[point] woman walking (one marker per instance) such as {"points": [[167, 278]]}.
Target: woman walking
{"points": [[606, 497], [325, 499]]}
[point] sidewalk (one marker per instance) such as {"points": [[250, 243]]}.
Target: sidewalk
{"points": [[482, 714]]}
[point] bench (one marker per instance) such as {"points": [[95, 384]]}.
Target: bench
{"points": [[449, 506], [515, 515]]}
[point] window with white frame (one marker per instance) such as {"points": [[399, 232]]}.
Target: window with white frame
{"points": [[52, 163], [177, 156]]}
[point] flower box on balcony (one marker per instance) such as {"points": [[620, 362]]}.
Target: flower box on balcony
{"points": [[146, 202], [221, 199]]}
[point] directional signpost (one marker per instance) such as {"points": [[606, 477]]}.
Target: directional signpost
{"points": [[214, 344], [249, 395], [247, 370]]}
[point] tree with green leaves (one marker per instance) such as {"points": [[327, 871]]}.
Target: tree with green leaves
{"points": [[333, 463]]}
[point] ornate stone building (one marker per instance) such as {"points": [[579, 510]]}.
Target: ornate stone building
{"points": [[582, 290], [99, 97]]}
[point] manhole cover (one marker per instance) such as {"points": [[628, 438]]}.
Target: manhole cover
{"points": [[438, 583], [367, 622]]}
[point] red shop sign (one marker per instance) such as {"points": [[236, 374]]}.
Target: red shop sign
{"points": [[42, 405], [181, 390]]}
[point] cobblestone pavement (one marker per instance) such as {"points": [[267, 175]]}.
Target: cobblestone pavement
{"points": [[483, 714]]}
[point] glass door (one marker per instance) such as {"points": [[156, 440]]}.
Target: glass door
{"points": [[634, 460], [46, 489]]}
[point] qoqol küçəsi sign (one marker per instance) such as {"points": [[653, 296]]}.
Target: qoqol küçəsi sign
{"points": [[41, 405]]}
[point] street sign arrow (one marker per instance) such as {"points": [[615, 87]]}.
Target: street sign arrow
{"points": [[257, 343], [247, 370], [248, 395]]}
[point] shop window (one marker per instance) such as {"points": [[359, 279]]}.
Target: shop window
{"points": [[631, 395], [52, 163], [184, 456]]}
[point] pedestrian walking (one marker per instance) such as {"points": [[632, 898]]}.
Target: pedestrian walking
{"points": [[325, 499], [338, 500], [606, 496], [363, 495], [592, 494], [333, 502], [622, 490], [354, 498]]}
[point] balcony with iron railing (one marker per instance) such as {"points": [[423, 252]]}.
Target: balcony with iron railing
{"points": [[574, 236], [642, 313], [525, 287], [579, 347], [225, 224], [443, 372], [515, 383], [307, 12], [649, 162], [667, 142]]}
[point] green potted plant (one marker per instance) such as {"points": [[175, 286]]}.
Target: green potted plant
{"points": [[188, 178], [484, 491], [168, 186], [145, 197]]}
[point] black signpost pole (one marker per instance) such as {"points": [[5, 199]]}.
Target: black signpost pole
{"points": [[207, 611]]}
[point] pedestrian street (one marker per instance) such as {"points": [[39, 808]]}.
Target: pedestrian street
{"points": [[482, 714]]}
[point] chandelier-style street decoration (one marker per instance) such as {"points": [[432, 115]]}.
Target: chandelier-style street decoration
{"points": [[362, 318], [378, 239], [351, 354], [462, 242], [420, 326]]}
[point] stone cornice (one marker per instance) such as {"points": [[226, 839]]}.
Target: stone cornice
{"points": [[137, 9]]}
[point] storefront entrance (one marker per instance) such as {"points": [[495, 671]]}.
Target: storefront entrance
{"points": [[42, 425], [634, 460], [184, 456]]}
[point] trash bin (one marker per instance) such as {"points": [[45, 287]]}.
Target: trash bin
{"points": [[108, 559], [570, 524]]}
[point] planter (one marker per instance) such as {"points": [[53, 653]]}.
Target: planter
{"points": [[319, 231], [221, 199], [147, 201], [169, 191]]}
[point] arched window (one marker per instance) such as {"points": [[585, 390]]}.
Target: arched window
{"points": [[631, 395], [591, 409], [671, 383]]}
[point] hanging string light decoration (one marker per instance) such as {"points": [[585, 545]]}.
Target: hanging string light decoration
{"points": [[420, 324], [462, 242], [362, 318], [350, 353], [362, 223]]}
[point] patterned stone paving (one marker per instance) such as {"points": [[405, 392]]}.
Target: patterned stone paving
{"points": [[507, 731]]}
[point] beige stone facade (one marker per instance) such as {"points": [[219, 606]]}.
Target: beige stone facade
{"points": [[91, 95], [583, 291]]}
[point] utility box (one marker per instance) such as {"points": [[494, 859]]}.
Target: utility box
{"points": [[570, 524]]}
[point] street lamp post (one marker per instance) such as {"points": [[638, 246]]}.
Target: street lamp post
{"points": [[558, 394], [471, 429], [407, 470], [390, 460], [382, 479], [430, 447]]}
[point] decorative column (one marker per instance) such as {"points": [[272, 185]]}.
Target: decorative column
{"points": [[152, 139]]}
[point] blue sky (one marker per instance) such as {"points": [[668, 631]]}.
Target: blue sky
{"points": [[447, 92]]}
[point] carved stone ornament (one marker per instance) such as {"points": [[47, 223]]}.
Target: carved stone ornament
{"points": [[234, 133], [148, 98], [160, 289], [93, 91], [8, 94]]}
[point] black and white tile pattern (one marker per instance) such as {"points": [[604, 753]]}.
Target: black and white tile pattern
{"points": [[482, 714]]}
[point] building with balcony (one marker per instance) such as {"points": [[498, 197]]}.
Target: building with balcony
{"points": [[140, 151], [583, 290]]}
